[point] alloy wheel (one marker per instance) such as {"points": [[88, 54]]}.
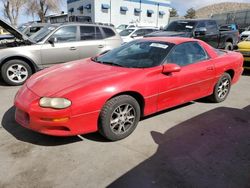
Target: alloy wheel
{"points": [[223, 88], [122, 118], [17, 73]]}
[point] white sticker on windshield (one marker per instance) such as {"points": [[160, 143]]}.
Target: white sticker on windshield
{"points": [[158, 45], [189, 27]]}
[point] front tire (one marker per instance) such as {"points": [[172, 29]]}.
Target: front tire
{"points": [[15, 72], [229, 46], [119, 117], [221, 89]]}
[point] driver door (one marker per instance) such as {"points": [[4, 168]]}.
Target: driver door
{"points": [[63, 49], [195, 80]]}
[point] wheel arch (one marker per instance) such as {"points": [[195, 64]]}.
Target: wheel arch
{"points": [[138, 97], [31, 63], [231, 73], [229, 40]]}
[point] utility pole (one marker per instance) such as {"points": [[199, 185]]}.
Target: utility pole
{"points": [[140, 13], [157, 18]]}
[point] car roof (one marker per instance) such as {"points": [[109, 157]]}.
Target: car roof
{"points": [[143, 27], [85, 24], [194, 20], [173, 40]]}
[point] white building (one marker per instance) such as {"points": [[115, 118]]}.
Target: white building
{"points": [[116, 12]]}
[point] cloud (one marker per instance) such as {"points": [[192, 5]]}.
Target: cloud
{"points": [[182, 7]]}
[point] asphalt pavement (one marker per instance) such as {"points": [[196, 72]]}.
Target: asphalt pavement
{"points": [[199, 144]]}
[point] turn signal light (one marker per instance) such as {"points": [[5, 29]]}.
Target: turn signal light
{"points": [[56, 119]]}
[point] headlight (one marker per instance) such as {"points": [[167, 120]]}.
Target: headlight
{"points": [[57, 103]]}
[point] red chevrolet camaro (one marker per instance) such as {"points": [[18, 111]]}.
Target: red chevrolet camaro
{"points": [[111, 92]]}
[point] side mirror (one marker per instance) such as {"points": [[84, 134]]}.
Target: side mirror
{"points": [[200, 31], [170, 68], [134, 35], [52, 40]]}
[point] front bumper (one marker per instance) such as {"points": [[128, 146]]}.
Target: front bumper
{"points": [[30, 115]]}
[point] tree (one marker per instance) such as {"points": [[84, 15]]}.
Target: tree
{"points": [[42, 7], [173, 13], [11, 10], [191, 13]]}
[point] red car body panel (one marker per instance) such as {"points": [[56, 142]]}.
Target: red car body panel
{"points": [[90, 85]]}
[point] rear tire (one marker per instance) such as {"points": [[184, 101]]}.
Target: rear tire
{"points": [[119, 117], [229, 46], [221, 89], [15, 72]]}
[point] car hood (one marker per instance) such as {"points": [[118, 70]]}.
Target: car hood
{"points": [[169, 34], [14, 32], [126, 39], [64, 78], [244, 45]]}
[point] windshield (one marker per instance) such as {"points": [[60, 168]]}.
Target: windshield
{"points": [[43, 33], [22, 28], [126, 32], [248, 38], [137, 54], [122, 27], [180, 26]]}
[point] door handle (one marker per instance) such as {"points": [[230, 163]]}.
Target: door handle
{"points": [[72, 48], [210, 68], [101, 46]]}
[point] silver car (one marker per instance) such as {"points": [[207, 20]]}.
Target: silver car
{"points": [[54, 44]]}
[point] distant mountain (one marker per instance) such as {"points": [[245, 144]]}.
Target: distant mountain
{"points": [[206, 12]]}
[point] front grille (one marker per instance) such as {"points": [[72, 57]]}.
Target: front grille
{"points": [[247, 54]]}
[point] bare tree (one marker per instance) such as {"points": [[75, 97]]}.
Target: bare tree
{"points": [[173, 13], [42, 7], [12, 8]]}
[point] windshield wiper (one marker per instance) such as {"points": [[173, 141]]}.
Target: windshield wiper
{"points": [[106, 62], [111, 63]]}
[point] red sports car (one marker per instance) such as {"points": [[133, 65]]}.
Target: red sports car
{"points": [[111, 92]]}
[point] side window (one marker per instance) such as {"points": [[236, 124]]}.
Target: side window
{"points": [[90, 33], [140, 32], [65, 34], [108, 32], [187, 53], [147, 31], [212, 27]]}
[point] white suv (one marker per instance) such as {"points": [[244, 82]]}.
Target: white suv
{"points": [[136, 33]]}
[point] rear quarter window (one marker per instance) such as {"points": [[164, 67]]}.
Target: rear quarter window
{"points": [[108, 32], [220, 52]]}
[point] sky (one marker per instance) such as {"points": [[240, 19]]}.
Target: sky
{"points": [[180, 5]]}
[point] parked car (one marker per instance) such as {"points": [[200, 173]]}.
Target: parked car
{"points": [[30, 29], [52, 45], [111, 92], [245, 34], [125, 26], [203, 29], [244, 48], [136, 33]]}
